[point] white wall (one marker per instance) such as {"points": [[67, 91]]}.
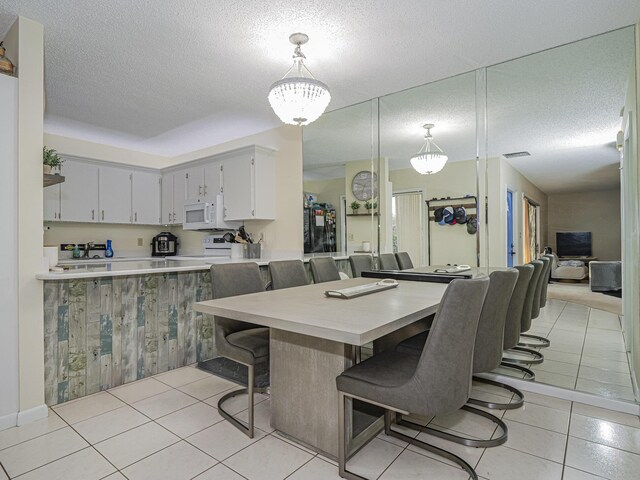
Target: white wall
{"points": [[9, 377]]}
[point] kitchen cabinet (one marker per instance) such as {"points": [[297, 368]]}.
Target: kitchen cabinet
{"points": [[115, 195], [248, 184], [52, 203], [212, 180], [194, 183], [203, 182], [145, 194], [173, 197], [79, 200]]}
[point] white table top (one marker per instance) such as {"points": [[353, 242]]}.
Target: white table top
{"points": [[306, 310]]}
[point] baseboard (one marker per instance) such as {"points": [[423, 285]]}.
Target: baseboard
{"points": [[566, 394], [8, 421], [32, 414]]}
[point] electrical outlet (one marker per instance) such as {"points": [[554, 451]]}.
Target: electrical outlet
{"points": [[350, 237], [140, 242], [261, 238]]}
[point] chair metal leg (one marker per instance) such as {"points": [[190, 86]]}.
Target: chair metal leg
{"points": [[247, 429], [535, 342], [498, 406], [389, 420], [530, 374], [534, 359], [467, 442]]}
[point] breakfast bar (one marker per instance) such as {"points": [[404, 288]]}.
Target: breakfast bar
{"points": [[314, 338]]}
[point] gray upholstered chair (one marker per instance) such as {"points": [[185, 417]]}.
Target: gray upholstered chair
{"points": [[545, 285], [287, 274], [437, 381], [528, 340], [514, 320], [242, 342], [388, 261], [521, 355], [360, 263], [324, 269], [404, 260], [487, 352]]}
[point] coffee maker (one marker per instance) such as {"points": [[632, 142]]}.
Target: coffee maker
{"points": [[165, 244]]}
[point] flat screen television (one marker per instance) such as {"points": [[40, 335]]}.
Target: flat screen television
{"points": [[573, 244]]}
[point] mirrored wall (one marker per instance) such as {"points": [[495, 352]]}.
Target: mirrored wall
{"points": [[533, 162]]}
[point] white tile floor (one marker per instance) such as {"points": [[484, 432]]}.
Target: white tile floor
{"points": [[167, 427], [587, 350]]}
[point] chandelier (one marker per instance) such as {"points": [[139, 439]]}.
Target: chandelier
{"points": [[298, 98], [430, 159]]}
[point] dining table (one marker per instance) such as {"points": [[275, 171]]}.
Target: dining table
{"points": [[314, 338]]}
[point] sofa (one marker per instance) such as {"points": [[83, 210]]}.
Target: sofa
{"points": [[568, 269]]}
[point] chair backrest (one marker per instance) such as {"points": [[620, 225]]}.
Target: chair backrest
{"points": [[324, 269], [537, 299], [404, 260], [513, 321], [287, 274], [388, 261], [525, 321], [545, 285], [228, 281], [360, 263], [442, 380], [489, 339]]}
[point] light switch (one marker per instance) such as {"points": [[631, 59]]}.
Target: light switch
{"points": [[140, 242]]}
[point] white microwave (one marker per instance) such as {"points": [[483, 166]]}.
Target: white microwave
{"points": [[206, 216]]}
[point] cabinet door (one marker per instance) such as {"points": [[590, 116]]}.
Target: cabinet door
{"points": [[212, 181], [237, 185], [179, 196], [167, 199], [194, 183], [79, 192], [115, 195], [146, 198], [52, 203]]}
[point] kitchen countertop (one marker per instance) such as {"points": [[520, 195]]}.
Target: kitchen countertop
{"points": [[143, 265]]}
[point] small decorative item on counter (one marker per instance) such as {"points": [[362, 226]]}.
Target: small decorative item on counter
{"points": [[76, 251], [50, 159], [5, 64], [355, 206], [108, 253]]}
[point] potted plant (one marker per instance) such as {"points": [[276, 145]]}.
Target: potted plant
{"points": [[355, 206], [50, 159], [368, 205]]}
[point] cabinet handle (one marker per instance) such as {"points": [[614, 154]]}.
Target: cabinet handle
{"points": [[174, 217], [205, 190], [199, 189], [253, 213], [102, 214], [135, 216], [93, 214], [169, 219]]}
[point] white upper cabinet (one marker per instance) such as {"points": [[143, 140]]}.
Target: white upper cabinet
{"points": [[146, 197], [79, 192], [173, 197], [52, 202], [179, 196], [248, 184], [194, 182], [115, 195], [212, 180], [167, 199]]}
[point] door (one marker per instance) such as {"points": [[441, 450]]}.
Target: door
{"points": [[146, 197], [407, 225], [79, 192], [237, 185], [530, 237], [115, 195], [510, 245]]}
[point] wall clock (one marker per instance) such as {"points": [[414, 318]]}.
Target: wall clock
{"points": [[365, 185]]}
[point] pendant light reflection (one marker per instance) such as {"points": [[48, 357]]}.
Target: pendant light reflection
{"points": [[430, 159], [298, 98]]}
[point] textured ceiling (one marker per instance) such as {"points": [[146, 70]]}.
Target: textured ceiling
{"points": [[173, 76], [561, 105]]}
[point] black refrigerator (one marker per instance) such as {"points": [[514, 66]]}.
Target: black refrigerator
{"points": [[319, 229]]}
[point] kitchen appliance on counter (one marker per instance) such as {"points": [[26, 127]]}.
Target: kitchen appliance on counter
{"points": [[217, 245], [165, 244], [319, 229], [206, 216]]}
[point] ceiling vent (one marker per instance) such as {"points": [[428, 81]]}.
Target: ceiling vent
{"points": [[516, 154]]}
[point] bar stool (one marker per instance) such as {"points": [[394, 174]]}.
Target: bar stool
{"points": [[287, 274], [436, 382], [324, 269], [360, 263], [518, 354], [487, 352], [242, 342], [528, 340], [545, 285], [404, 260], [388, 261]]}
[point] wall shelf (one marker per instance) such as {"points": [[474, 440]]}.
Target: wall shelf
{"points": [[375, 214], [50, 179]]}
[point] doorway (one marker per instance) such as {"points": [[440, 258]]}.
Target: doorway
{"points": [[408, 226], [531, 240], [510, 245]]}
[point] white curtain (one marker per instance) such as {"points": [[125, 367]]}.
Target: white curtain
{"points": [[409, 225]]}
